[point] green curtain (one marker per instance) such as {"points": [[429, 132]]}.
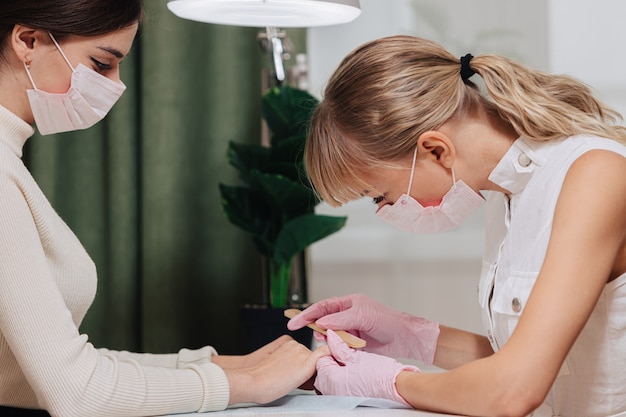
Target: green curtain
{"points": [[140, 189]]}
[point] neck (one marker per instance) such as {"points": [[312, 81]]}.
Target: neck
{"points": [[481, 142], [13, 86]]}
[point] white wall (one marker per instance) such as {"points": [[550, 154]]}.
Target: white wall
{"points": [[588, 41], [436, 275]]}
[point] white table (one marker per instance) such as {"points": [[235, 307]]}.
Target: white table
{"points": [[307, 405], [360, 411]]}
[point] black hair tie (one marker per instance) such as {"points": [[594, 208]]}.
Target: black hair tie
{"points": [[466, 70]]}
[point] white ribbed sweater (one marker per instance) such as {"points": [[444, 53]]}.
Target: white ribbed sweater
{"points": [[47, 283]]}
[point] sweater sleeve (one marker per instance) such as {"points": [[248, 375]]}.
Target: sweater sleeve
{"points": [[42, 270], [179, 360]]}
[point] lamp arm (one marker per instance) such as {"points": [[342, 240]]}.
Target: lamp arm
{"points": [[278, 51]]}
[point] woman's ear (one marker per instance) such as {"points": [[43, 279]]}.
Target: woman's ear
{"points": [[437, 146], [24, 40]]}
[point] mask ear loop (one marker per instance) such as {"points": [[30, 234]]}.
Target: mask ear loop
{"points": [[30, 77], [408, 191], [61, 51]]}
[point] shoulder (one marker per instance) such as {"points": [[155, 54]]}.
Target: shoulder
{"points": [[598, 168], [16, 183], [594, 191], [588, 159]]}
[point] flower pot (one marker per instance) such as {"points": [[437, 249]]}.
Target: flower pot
{"points": [[263, 324]]}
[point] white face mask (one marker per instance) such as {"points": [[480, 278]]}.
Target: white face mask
{"points": [[88, 100], [456, 206]]}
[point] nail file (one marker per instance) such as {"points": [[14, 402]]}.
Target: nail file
{"points": [[350, 339]]}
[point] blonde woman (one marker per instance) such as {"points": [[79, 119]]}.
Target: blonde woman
{"points": [[403, 123]]}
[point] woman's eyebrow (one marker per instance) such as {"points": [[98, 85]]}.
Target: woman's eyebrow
{"points": [[112, 51]]}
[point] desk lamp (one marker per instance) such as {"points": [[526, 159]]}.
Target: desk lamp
{"points": [[271, 14]]}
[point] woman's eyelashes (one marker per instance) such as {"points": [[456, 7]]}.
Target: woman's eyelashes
{"points": [[379, 199], [101, 66]]}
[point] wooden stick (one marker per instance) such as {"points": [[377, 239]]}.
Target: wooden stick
{"points": [[350, 339]]}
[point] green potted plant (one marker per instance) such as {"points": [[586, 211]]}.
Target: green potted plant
{"points": [[275, 203]]}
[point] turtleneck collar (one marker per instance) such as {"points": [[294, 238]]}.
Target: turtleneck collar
{"points": [[14, 132]]}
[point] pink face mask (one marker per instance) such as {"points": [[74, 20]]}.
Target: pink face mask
{"points": [[456, 206], [88, 100]]}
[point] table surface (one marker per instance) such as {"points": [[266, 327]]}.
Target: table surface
{"points": [[307, 405], [359, 411]]}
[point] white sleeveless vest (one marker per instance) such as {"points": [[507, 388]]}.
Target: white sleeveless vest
{"points": [[592, 381]]}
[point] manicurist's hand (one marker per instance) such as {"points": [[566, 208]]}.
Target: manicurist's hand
{"points": [[386, 331], [273, 371], [356, 373]]}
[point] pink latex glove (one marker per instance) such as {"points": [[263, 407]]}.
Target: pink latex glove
{"points": [[358, 374], [387, 332]]}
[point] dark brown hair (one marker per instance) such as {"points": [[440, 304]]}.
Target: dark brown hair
{"points": [[68, 17]]}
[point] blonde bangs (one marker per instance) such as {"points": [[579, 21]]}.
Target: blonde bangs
{"points": [[333, 162]]}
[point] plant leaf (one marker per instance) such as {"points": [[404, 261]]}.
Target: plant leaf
{"points": [[246, 157], [289, 197], [287, 111], [300, 232], [246, 208]]}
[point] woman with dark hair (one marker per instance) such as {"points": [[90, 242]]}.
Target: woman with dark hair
{"points": [[403, 123], [59, 70]]}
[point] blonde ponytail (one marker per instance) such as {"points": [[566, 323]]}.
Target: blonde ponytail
{"points": [[544, 106]]}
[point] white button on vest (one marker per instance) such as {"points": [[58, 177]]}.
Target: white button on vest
{"points": [[516, 305], [524, 160]]}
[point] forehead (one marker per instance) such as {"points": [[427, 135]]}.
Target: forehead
{"points": [[385, 179], [118, 42]]}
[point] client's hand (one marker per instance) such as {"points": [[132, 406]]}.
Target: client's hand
{"points": [[275, 370], [250, 359], [360, 374]]}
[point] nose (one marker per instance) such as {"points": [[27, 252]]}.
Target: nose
{"points": [[114, 75]]}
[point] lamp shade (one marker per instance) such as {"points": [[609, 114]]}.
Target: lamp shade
{"points": [[263, 13]]}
